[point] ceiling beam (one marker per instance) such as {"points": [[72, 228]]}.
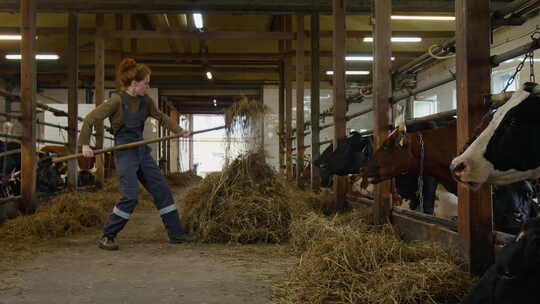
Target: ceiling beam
{"points": [[193, 35], [211, 35], [359, 7]]}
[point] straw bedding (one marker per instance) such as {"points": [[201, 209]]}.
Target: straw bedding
{"points": [[352, 261]]}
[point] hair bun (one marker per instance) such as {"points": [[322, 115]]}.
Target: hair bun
{"points": [[127, 64]]}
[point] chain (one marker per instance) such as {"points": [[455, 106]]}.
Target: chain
{"points": [[535, 37], [419, 193]]}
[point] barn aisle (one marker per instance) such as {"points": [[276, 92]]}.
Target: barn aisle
{"points": [[146, 270]]}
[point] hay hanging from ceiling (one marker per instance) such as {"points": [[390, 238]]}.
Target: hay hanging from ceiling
{"points": [[351, 261]]}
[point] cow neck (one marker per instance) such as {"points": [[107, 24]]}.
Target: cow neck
{"points": [[418, 154]]}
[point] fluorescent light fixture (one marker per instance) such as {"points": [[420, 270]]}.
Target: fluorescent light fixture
{"points": [[397, 39], [435, 18], [198, 20], [215, 103], [363, 58], [38, 57], [209, 75], [350, 72], [10, 37], [363, 130]]}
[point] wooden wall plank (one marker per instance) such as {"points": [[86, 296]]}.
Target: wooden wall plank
{"points": [[381, 96], [28, 202], [73, 104], [473, 81]]}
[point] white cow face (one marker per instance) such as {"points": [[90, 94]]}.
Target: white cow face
{"points": [[508, 149]]}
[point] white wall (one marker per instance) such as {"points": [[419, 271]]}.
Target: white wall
{"points": [[271, 139]]}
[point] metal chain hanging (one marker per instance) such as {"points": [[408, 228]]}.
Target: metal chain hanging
{"points": [[535, 37], [419, 193]]}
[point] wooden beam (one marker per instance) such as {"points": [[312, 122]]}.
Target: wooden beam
{"points": [[281, 115], [189, 117], [213, 35], [99, 93], [362, 34], [381, 97], [220, 6], [28, 203], [288, 103], [46, 31], [315, 101], [73, 85], [340, 124], [299, 99], [472, 82], [181, 22], [281, 103]]}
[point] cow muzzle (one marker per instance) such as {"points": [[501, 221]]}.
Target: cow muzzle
{"points": [[459, 169]]}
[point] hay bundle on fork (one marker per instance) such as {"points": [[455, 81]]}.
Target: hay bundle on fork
{"points": [[244, 118]]}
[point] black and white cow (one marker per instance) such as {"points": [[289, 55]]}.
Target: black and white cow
{"points": [[506, 147], [516, 273]]}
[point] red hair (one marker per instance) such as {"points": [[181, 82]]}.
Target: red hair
{"points": [[129, 70]]}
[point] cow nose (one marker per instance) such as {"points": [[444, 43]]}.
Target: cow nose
{"points": [[459, 168]]}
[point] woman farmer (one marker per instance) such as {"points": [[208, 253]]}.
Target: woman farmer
{"points": [[127, 111]]}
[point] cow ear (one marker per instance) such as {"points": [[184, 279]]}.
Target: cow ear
{"points": [[402, 140]]}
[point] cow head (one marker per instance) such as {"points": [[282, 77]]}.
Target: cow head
{"points": [[504, 148], [392, 158]]}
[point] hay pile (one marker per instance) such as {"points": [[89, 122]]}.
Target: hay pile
{"points": [[62, 215], [350, 261], [183, 179], [245, 203]]}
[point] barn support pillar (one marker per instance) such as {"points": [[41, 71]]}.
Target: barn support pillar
{"points": [[288, 102], [299, 99], [100, 93], [340, 123], [315, 101], [28, 202], [381, 96], [473, 81], [73, 103]]}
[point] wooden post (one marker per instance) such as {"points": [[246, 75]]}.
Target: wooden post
{"points": [[381, 96], [190, 145], [100, 93], [281, 115], [288, 102], [299, 98], [28, 203], [73, 103], [340, 123], [315, 101], [473, 81]]}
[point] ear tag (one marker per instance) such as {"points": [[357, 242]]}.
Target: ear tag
{"points": [[401, 142]]}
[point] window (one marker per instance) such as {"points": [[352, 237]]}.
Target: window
{"points": [[454, 99], [425, 105], [500, 78]]}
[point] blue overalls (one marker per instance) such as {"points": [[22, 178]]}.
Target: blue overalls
{"points": [[137, 164]]}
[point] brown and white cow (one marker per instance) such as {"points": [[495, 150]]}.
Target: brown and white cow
{"points": [[401, 153], [507, 148]]}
